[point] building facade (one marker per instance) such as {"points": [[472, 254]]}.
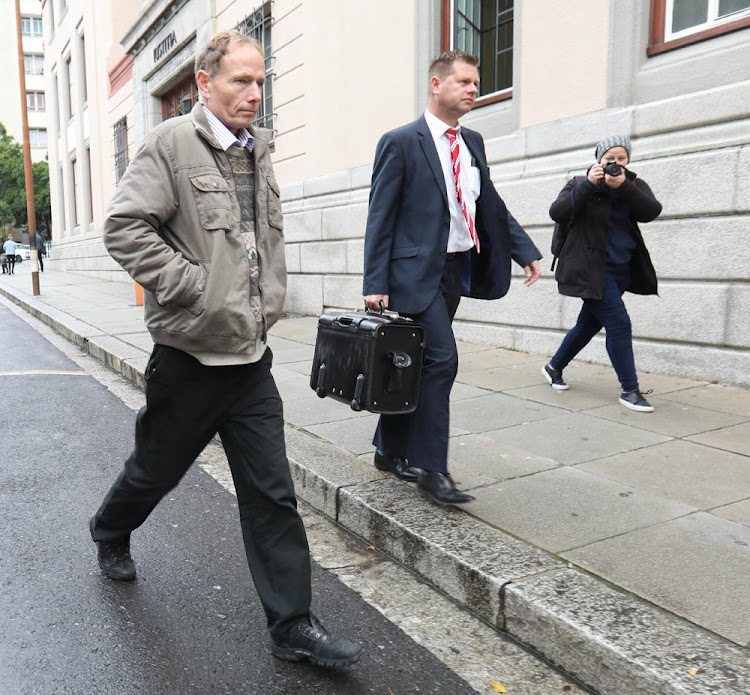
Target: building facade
{"points": [[554, 81]]}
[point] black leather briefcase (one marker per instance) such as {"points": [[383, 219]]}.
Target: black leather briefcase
{"points": [[369, 361]]}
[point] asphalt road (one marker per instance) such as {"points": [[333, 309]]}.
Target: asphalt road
{"points": [[191, 623]]}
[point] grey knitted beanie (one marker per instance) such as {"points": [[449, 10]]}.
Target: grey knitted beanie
{"points": [[610, 142]]}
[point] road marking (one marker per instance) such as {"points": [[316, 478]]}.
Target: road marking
{"points": [[26, 372]]}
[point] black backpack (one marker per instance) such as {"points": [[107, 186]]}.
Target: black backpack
{"points": [[560, 234]]}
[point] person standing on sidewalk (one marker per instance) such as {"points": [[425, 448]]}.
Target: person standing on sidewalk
{"points": [[196, 220], [9, 249], [603, 257], [436, 230]]}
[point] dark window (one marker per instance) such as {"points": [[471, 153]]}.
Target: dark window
{"points": [[179, 100], [258, 25], [121, 148]]}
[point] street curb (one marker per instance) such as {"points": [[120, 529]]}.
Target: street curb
{"points": [[611, 641]]}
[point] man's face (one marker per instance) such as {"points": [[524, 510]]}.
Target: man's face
{"points": [[455, 95], [234, 93]]}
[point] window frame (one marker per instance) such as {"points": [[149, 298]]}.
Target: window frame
{"points": [[121, 147], [36, 136], [33, 100], [36, 58], [35, 26], [658, 43]]}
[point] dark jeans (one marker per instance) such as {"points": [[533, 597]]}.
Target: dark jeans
{"points": [[608, 312], [186, 404], [422, 436]]}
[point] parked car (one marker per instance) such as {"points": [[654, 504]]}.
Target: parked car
{"points": [[23, 252]]}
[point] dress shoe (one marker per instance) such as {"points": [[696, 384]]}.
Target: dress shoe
{"points": [[441, 488], [311, 641], [396, 466]]}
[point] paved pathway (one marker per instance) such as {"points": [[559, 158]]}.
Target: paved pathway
{"points": [[658, 505]]}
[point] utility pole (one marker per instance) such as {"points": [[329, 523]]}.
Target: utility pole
{"points": [[27, 168]]}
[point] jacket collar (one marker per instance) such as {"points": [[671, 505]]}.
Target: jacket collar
{"points": [[198, 116]]}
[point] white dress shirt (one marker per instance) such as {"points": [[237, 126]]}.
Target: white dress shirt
{"points": [[459, 238]]}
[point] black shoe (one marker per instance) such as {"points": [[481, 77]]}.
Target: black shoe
{"points": [[114, 558], [311, 641], [440, 487], [554, 377], [635, 401], [396, 466]]}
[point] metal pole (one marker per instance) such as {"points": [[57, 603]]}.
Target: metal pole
{"points": [[27, 169]]}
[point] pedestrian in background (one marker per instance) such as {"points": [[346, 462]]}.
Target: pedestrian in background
{"points": [[9, 249], [196, 221], [604, 256], [40, 249], [436, 230]]}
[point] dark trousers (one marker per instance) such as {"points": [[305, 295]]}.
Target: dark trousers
{"points": [[608, 312], [41, 262], [11, 260], [186, 404], [422, 436]]}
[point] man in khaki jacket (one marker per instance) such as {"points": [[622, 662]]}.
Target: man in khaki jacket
{"points": [[196, 220]]}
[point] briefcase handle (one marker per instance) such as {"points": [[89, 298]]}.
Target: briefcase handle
{"points": [[382, 307]]}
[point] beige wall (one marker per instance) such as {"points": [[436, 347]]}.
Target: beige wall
{"points": [[344, 74], [563, 57]]}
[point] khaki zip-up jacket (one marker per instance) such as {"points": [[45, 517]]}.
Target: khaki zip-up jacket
{"points": [[174, 225]]}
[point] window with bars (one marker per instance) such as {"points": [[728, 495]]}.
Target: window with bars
{"points": [[35, 101], [676, 23], [31, 26], [121, 148], [33, 64], [258, 25], [483, 28]]}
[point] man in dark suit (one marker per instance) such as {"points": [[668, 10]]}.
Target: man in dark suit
{"points": [[437, 230]]}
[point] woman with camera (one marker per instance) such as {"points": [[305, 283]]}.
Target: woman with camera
{"points": [[602, 257]]}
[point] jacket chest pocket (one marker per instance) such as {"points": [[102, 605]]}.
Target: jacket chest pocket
{"points": [[212, 201], [275, 218]]}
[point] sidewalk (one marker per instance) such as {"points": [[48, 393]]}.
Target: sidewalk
{"points": [[615, 543]]}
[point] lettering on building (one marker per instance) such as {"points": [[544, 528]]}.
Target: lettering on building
{"points": [[165, 46]]}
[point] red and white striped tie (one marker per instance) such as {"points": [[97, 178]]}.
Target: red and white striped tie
{"points": [[452, 134]]}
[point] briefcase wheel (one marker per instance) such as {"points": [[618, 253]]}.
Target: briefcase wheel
{"points": [[321, 382], [356, 402]]}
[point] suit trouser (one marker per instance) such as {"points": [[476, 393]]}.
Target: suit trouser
{"points": [[186, 404], [422, 436]]}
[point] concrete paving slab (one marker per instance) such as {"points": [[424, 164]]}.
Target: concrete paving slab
{"points": [[354, 435], [464, 557], [141, 339], [501, 378], [112, 351], [715, 397], [575, 438], [566, 508], [460, 392], [655, 563], [476, 460], [277, 343], [739, 512], [497, 410], [300, 353], [487, 359], [618, 645], [293, 388], [465, 348], [313, 410], [735, 438], [303, 329], [304, 367], [697, 475], [580, 396], [658, 383], [670, 418]]}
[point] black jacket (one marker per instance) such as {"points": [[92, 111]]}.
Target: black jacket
{"points": [[580, 268]]}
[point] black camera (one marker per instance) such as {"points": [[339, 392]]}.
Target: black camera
{"points": [[612, 168]]}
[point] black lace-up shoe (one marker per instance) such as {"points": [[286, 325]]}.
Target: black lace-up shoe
{"points": [[114, 558], [115, 561], [441, 488], [311, 641], [635, 401], [554, 377], [396, 466]]}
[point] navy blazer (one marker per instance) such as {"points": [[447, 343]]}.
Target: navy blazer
{"points": [[408, 223]]}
